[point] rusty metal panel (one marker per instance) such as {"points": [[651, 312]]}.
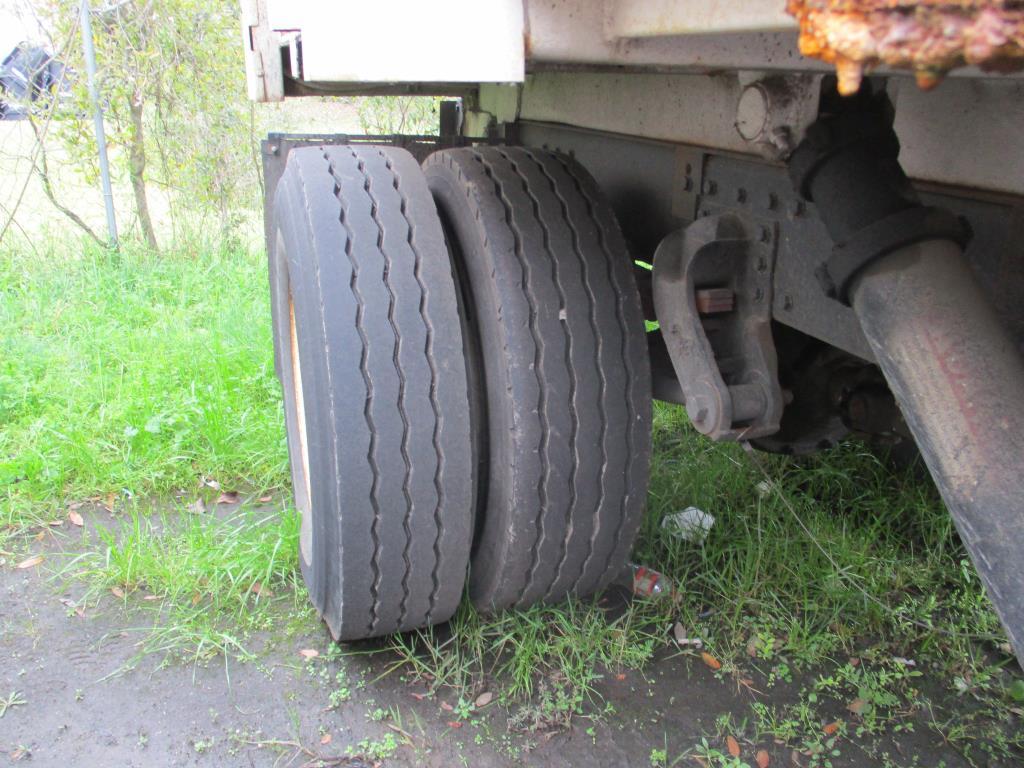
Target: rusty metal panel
{"points": [[930, 37]]}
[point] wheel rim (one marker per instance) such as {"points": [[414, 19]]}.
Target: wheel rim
{"points": [[304, 492]]}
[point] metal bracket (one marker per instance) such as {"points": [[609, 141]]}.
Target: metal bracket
{"points": [[712, 295]]}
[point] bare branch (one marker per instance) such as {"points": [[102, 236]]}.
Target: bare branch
{"points": [[42, 171]]}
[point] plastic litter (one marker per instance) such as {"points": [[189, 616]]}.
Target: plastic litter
{"points": [[645, 582], [679, 633], [690, 524]]}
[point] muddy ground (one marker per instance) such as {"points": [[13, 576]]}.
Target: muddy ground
{"points": [[88, 700]]}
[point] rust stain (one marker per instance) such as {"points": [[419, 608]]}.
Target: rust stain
{"points": [[930, 37], [959, 378]]}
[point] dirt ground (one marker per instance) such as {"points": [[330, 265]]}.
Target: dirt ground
{"points": [[88, 701]]}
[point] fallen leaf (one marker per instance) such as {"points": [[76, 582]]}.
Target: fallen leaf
{"points": [[418, 696], [325, 739], [40, 536], [76, 505], [228, 497], [75, 518], [733, 746], [197, 507], [260, 590], [30, 562], [831, 728], [484, 699], [752, 647], [265, 499], [110, 499], [55, 523], [446, 706], [454, 724], [117, 592], [794, 758], [211, 483], [196, 597], [309, 653], [762, 758], [856, 706], [79, 611], [620, 676], [854, 661], [151, 597], [710, 660]]}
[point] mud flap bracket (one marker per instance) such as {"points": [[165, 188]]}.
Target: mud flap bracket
{"points": [[713, 298]]}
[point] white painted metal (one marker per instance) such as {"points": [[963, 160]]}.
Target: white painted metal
{"points": [[964, 132], [685, 108], [642, 33], [661, 18], [478, 41], [398, 41], [261, 43], [686, 66]]}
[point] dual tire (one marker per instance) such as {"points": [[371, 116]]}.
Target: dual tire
{"points": [[467, 394]]}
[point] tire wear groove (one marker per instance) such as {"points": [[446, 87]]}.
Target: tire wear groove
{"points": [[386, 383], [602, 385], [367, 413], [538, 363], [318, 589], [439, 466], [396, 359], [510, 206], [466, 185], [626, 362], [570, 510]]}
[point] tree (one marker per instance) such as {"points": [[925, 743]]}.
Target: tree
{"points": [[172, 85]]}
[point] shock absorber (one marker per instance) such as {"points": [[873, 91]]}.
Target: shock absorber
{"points": [[956, 373]]}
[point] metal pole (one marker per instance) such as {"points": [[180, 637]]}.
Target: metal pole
{"points": [[97, 118]]}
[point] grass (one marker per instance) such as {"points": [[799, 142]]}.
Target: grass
{"points": [[209, 583], [810, 563], [143, 375], [134, 374]]}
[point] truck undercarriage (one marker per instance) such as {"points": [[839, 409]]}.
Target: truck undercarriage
{"points": [[816, 256]]}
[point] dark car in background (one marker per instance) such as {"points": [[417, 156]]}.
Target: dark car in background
{"points": [[28, 74]]}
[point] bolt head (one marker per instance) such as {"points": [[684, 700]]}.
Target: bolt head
{"points": [[752, 112]]}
